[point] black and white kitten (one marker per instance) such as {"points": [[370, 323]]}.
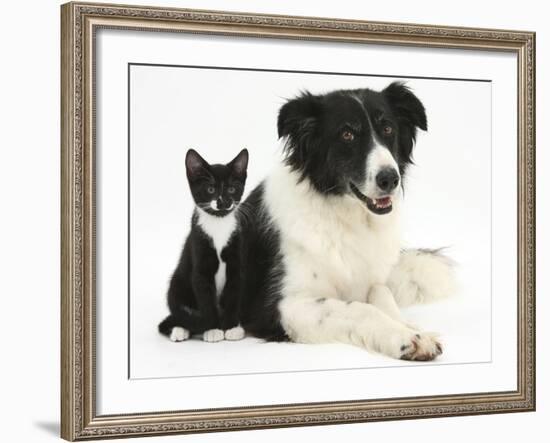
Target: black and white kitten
{"points": [[205, 289]]}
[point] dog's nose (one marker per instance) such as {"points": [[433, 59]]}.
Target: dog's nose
{"points": [[387, 179]]}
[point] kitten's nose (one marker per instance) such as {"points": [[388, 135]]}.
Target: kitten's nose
{"points": [[223, 204]]}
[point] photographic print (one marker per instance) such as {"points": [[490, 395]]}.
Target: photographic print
{"points": [[361, 216], [281, 221]]}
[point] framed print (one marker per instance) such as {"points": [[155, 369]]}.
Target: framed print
{"points": [[281, 221]]}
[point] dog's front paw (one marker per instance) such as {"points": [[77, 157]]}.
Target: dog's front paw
{"points": [[236, 333], [213, 335], [179, 334], [421, 347]]}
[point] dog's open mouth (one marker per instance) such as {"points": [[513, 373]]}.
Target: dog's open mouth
{"points": [[379, 206]]}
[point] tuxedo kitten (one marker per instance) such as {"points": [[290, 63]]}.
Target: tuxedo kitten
{"points": [[204, 292]]}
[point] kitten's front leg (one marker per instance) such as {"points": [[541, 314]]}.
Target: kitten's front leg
{"points": [[213, 335], [231, 315], [205, 290], [230, 302]]}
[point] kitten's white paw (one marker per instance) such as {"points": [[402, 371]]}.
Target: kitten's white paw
{"points": [[213, 335], [236, 333], [179, 334]]}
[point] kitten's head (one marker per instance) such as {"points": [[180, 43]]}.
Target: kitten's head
{"points": [[217, 189]]}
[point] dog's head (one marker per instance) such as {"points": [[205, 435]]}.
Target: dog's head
{"points": [[356, 142]]}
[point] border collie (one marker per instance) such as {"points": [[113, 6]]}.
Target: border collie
{"points": [[322, 240]]}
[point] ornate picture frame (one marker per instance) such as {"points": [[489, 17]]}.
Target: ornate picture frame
{"points": [[80, 22]]}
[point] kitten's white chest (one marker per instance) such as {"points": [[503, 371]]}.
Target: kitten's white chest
{"points": [[219, 229]]}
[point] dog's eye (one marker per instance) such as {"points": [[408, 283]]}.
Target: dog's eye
{"points": [[231, 190], [388, 130], [210, 189], [347, 135]]}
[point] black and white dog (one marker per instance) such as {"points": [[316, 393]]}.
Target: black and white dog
{"points": [[322, 240]]}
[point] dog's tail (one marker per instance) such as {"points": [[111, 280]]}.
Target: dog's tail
{"points": [[422, 276]]}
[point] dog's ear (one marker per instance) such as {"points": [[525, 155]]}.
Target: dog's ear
{"points": [[298, 115], [297, 121], [405, 105], [195, 165], [239, 164], [410, 113]]}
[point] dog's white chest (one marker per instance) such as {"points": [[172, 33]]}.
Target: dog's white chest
{"points": [[339, 260], [220, 230], [331, 247]]}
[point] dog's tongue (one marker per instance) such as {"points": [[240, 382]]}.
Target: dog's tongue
{"points": [[383, 201]]}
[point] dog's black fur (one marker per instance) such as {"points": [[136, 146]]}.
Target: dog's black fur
{"points": [[319, 147]]}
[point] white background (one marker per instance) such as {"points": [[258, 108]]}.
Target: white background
{"points": [[29, 180], [235, 109]]}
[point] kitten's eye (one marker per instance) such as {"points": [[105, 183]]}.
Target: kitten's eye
{"points": [[388, 130], [231, 190], [347, 135], [210, 189]]}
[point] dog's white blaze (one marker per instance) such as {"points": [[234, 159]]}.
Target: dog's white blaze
{"points": [[219, 229], [378, 158]]}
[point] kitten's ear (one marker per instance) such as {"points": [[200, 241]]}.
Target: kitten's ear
{"points": [[196, 165], [239, 164]]}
